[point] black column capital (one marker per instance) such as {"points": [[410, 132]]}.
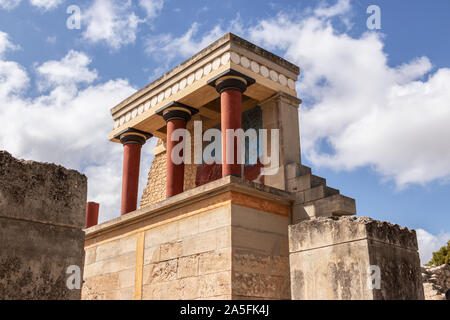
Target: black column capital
{"points": [[131, 135], [176, 111], [231, 80]]}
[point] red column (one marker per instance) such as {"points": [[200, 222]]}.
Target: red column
{"points": [[92, 214], [175, 172], [231, 85], [132, 141], [231, 118], [176, 116], [130, 177]]}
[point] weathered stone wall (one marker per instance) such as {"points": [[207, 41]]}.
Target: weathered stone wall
{"points": [[330, 257], [155, 189], [190, 171], [436, 281], [42, 213]]}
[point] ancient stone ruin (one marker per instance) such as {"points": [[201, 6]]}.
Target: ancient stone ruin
{"points": [[436, 281], [42, 216]]}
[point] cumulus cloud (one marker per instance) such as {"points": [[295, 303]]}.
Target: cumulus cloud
{"points": [[42, 4], [68, 124], [5, 43], [111, 21], [46, 4], [114, 22], [168, 47], [13, 78], [9, 4], [367, 113], [429, 243], [341, 7], [152, 7], [72, 69]]}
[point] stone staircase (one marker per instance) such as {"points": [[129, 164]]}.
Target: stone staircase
{"points": [[313, 197]]}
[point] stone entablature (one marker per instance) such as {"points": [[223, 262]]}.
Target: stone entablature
{"points": [[187, 83]]}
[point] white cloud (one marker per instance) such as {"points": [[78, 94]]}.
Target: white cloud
{"points": [[429, 243], [46, 4], [115, 23], [72, 69], [13, 78], [393, 119], [5, 44], [9, 4], [152, 7], [167, 47], [112, 22], [69, 125], [341, 7]]}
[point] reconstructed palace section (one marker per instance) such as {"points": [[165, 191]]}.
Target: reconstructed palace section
{"points": [[223, 240], [42, 215], [219, 229]]}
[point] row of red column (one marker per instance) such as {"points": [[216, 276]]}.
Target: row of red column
{"points": [[230, 85]]}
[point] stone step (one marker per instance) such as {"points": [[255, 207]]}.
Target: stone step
{"points": [[334, 205], [319, 192], [305, 182], [293, 170]]}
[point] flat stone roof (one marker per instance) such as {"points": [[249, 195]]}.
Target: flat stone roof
{"points": [[229, 37]]}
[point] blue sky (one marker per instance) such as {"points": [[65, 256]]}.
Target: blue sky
{"points": [[376, 108]]}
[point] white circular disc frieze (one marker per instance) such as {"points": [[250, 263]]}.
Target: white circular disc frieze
{"points": [[273, 75], [207, 69], [264, 71], [235, 58], [245, 62], [216, 64]]}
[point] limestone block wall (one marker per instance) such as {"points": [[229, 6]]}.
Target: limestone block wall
{"points": [[42, 213], [436, 281], [260, 261], [109, 272], [330, 257], [189, 258]]}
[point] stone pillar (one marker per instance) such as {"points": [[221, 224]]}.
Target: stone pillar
{"points": [[176, 116], [281, 112], [92, 214], [132, 140], [231, 85], [350, 258]]}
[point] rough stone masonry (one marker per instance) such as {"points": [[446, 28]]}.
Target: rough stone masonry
{"points": [[333, 258], [436, 281], [42, 215]]}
